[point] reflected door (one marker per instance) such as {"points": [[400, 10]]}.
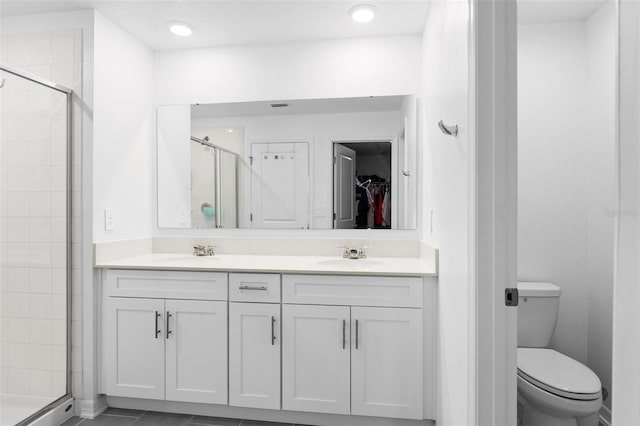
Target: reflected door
{"points": [[280, 185], [344, 189]]}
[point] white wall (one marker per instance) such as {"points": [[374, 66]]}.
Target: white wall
{"points": [[447, 189], [601, 32], [552, 171], [320, 130], [123, 133], [566, 149], [319, 69]]}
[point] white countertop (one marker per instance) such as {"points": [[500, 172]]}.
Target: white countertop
{"points": [[411, 266]]}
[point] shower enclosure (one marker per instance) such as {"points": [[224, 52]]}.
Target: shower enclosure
{"points": [[35, 245]]}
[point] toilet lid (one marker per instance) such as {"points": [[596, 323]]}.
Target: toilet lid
{"points": [[558, 374]]}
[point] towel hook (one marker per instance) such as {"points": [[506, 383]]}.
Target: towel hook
{"points": [[448, 130]]}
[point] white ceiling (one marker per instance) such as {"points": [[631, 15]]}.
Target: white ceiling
{"points": [[298, 106], [545, 11], [235, 22]]}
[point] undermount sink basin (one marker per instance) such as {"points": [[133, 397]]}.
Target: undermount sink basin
{"points": [[352, 263]]}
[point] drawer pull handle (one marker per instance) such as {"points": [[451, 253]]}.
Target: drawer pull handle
{"points": [[157, 330], [246, 287], [273, 331], [168, 317], [344, 334], [356, 334]]}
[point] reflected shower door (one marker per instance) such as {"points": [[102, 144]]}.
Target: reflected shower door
{"points": [[34, 247]]}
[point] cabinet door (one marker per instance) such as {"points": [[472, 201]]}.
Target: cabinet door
{"points": [[134, 353], [386, 362], [254, 355], [196, 350], [315, 358]]}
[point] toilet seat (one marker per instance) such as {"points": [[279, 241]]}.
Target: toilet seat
{"points": [[558, 374]]}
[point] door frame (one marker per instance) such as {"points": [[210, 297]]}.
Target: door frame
{"points": [[393, 140], [493, 258]]}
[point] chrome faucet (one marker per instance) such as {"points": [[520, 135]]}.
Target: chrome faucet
{"points": [[202, 250], [354, 252]]}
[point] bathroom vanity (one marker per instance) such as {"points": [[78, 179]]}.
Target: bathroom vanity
{"points": [[296, 339]]}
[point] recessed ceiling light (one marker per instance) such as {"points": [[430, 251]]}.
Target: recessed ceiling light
{"points": [[180, 28], [363, 12]]}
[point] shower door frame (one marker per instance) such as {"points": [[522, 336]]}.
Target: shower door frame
{"points": [[69, 215]]}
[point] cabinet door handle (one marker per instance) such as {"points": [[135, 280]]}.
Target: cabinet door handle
{"points": [[273, 331], [246, 287], [157, 330], [356, 334], [344, 334], [168, 317]]}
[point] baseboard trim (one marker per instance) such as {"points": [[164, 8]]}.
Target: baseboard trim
{"points": [[90, 409], [605, 416], [264, 415]]}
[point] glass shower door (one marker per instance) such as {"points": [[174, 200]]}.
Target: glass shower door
{"points": [[34, 246]]}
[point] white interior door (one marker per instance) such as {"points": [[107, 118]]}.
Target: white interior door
{"points": [[196, 350], [135, 347], [386, 362], [254, 355], [280, 185], [494, 107], [626, 293], [344, 190], [315, 359]]}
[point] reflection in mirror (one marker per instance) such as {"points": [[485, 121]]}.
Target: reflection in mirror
{"points": [[325, 163]]}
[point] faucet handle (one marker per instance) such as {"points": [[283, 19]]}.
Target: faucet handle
{"points": [[362, 253]]}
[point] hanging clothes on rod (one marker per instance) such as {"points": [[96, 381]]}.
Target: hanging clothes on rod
{"points": [[364, 201], [371, 193]]}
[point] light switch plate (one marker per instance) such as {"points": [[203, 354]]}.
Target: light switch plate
{"points": [[109, 220]]}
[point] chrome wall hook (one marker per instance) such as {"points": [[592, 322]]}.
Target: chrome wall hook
{"points": [[448, 130]]}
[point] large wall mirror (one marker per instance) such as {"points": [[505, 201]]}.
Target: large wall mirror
{"points": [[345, 163]]}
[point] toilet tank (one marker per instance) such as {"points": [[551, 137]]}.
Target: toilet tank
{"points": [[537, 313]]}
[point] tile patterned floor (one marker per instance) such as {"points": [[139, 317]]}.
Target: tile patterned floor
{"points": [[122, 417]]}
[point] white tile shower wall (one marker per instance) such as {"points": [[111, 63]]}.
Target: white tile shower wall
{"points": [[33, 199]]}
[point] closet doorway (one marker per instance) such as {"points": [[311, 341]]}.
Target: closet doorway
{"points": [[363, 185]]}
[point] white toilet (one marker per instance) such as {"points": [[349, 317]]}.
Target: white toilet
{"points": [[553, 389]]}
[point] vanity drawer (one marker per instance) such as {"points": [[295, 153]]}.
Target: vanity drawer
{"points": [[352, 290], [166, 284], [254, 288]]}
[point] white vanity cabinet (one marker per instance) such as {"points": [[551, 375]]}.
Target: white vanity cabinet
{"points": [[315, 358], [134, 347], [171, 349], [386, 362], [347, 345], [254, 355], [359, 360], [254, 340]]}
